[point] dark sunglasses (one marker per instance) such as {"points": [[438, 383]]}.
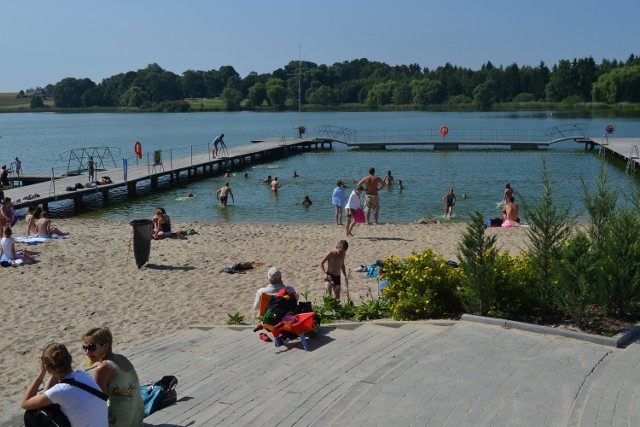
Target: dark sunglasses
{"points": [[91, 347]]}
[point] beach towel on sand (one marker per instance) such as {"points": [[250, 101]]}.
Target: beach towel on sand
{"points": [[37, 239], [242, 267]]}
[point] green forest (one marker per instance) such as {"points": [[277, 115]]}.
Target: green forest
{"points": [[357, 84]]}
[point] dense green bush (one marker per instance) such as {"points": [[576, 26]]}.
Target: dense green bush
{"points": [[422, 286]]}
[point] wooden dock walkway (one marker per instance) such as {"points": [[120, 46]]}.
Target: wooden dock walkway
{"points": [[449, 144], [175, 169], [625, 148], [202, 164]]}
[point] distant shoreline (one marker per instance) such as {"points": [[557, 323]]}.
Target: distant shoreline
{"points": [[10, 103]]}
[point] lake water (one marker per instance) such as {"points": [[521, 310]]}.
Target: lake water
{"points": [[39, 139]]}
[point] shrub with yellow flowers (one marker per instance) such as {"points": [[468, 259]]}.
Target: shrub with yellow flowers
{"points": [[421, 286]]}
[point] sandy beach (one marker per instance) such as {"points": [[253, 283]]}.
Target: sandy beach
{"points": [[91, 279]]}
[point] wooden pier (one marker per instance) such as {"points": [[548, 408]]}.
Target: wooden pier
{"points": [[176, 170], [448, 144], [625, 148], [199, 165]]}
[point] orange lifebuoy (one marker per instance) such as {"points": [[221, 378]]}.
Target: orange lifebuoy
{"points": [[137, 148], [444, 131]]}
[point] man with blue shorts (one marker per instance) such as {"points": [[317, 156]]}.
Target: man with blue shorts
{"points": [[216, 142]]}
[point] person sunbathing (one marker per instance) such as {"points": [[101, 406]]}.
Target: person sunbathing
{"points": [[44, 227], [161, 224], [8, 249]]}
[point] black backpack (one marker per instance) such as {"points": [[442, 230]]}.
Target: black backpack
{"points": [[280, 305], [52, 415]]}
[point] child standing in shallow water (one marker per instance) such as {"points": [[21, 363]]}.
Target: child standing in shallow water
{"points": [[338, 200]]}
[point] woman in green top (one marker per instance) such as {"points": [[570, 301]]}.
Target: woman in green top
{"points": [[116, 376]]}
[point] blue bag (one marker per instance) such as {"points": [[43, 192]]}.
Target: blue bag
{"points": [[151, 397], [159, 395]]}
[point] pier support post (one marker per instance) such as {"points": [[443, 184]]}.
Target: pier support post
{"points": [[78, 204], [105, 197], [131, 189]]}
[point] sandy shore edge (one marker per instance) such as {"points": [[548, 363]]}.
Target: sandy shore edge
{"points": [[91, 279]]}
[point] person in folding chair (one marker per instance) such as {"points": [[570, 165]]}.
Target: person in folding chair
{"points": [[274, 275], [278, 305]]}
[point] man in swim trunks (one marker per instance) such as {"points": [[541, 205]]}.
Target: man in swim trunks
{"points": [[216, 142], [373, 185], [275, 184], [91, 166], [335, 265], [223, 193]]}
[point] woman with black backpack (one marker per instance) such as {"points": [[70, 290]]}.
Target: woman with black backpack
{"points": [[71, 396]]}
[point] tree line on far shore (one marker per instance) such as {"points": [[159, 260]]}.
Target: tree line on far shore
{"points": [[359, 83]]}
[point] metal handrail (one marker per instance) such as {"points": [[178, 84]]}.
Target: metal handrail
{"points": [[79, 155], [339, 133], [566, 131], [458, 135], [633, 155]]}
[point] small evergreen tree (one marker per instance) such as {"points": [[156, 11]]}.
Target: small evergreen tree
{"points": [[477, 254]]}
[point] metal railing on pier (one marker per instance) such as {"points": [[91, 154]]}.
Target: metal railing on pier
{"points": [[343, 134]]}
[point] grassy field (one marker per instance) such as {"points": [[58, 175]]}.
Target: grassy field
{"points": [[10, 101], [198, 104]]}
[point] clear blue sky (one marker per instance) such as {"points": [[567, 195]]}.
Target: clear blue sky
{"points": [[44, 41]]}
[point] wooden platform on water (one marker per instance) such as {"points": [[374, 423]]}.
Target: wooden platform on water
{"points": [[175, 169], [625, 148], [449, 144]]}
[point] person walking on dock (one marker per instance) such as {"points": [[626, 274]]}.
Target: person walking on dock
{"points": [[218, 141], [91, 166], [18, 167]]}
